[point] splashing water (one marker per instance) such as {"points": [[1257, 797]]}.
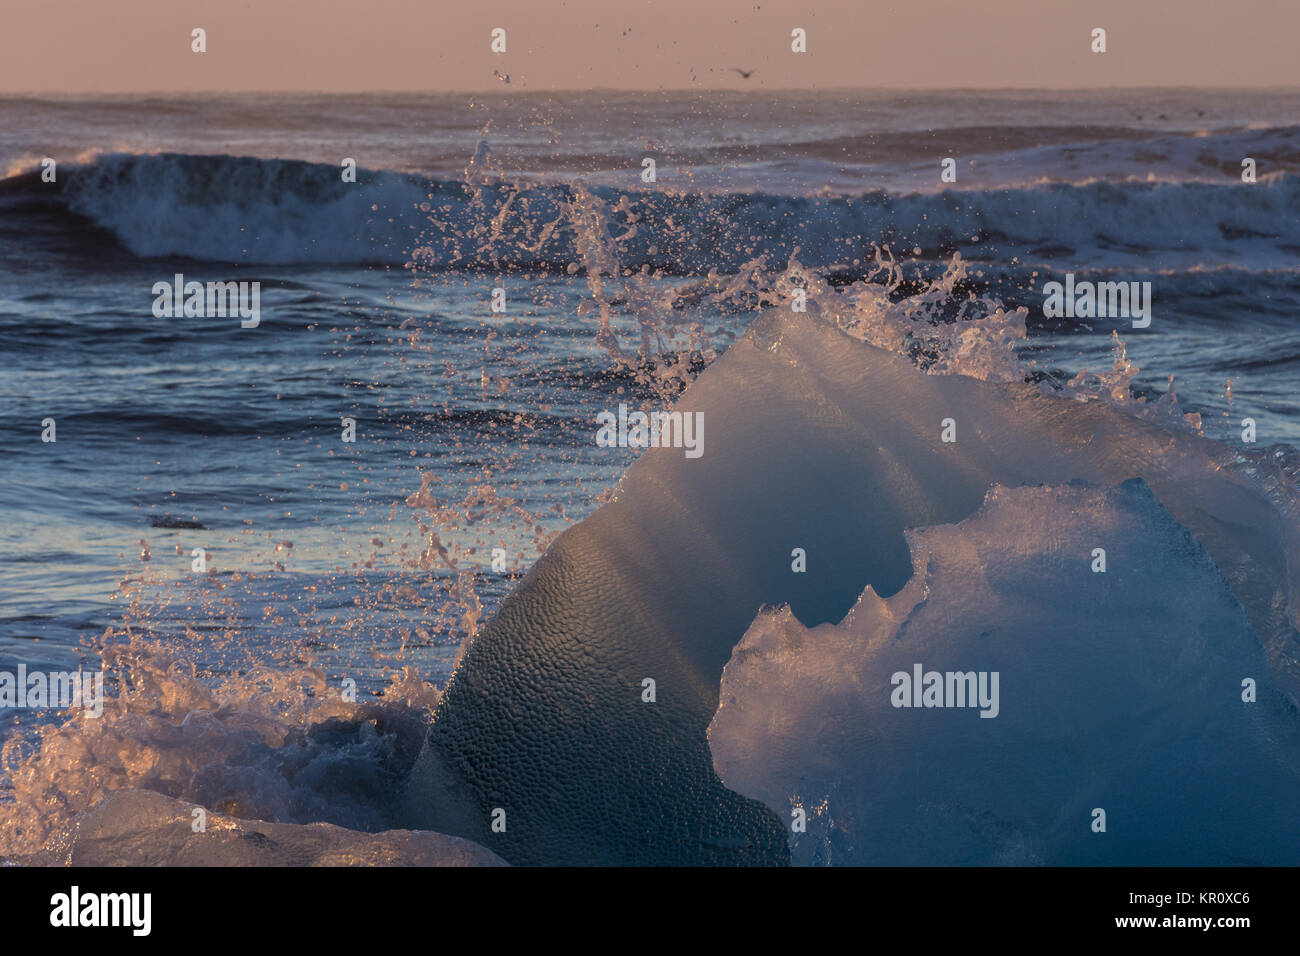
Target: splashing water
{"points": [[227, 688]]}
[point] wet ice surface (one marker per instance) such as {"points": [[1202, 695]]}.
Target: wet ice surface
{"points": [[1119, 690]]}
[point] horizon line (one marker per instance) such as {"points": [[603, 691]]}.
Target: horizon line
{"points": [[500, 91]]}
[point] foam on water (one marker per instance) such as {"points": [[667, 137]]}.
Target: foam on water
{"points": [[272, 211], [274, 744]]}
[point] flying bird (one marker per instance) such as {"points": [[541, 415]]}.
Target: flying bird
{"points": [[744, 74]]}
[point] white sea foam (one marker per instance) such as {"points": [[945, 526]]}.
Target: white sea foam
{"points": [[272, 744], [269, 211]]}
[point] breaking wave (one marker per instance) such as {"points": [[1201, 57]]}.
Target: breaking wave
{"points": [[275, 211]]}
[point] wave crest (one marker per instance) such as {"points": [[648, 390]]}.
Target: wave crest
{"points": [[278, 211]]}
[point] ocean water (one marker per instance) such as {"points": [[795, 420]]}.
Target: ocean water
{"points": [[370, 561]]}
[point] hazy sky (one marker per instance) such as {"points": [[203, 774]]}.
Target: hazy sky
{"points": [[341, 45]]}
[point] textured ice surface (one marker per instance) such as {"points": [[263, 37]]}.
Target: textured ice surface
{"points": [[143, 828], [1119, 690]]}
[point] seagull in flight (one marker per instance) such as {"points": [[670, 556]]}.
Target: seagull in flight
{"points": [[744, 74]]}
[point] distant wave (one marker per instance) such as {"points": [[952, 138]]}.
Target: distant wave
{"points": [[276, 211]]}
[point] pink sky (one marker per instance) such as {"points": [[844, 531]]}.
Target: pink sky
{"points": [[336, 46]]}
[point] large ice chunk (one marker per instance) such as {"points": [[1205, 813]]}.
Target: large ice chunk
{"points": [[813, 441]]}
